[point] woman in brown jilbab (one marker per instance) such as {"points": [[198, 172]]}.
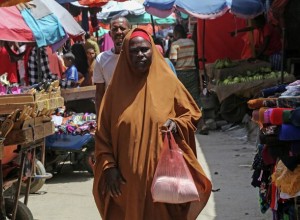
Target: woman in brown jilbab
{"points": [[143, 96]]}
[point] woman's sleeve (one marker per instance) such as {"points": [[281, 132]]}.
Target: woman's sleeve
{"points": [[103, 140], [187, 116]]}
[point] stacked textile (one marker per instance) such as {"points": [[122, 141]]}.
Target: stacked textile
{"points": [[277, 162]]}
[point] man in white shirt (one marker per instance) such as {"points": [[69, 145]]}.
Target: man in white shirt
{"points": [[106, 61]]}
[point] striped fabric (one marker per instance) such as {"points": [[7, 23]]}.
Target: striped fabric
{"points": [[183, 52]]}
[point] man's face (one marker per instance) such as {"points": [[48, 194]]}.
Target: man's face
{"points": [[118, 30], [140, 54]]}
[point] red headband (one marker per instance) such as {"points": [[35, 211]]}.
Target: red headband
{"points": [[140, 33]]}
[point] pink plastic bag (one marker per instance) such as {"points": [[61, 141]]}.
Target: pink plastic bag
{"points": [[173, 182]]}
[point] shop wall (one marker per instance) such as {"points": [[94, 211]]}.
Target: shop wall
{"points": [[219, 43]]}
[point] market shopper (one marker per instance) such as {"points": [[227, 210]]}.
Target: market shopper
{"points": [[71, 73], [91, 57], [144, 95], [106, 61], [91, 42], [182, 55]]}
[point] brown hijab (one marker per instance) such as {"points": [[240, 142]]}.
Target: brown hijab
{"points": [[132, 112]]}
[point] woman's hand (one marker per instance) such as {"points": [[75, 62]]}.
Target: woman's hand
{"points": [[112, 181], [171, 125]]}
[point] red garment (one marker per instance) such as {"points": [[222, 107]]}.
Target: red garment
{"points": [[55, 64], [8, 67], [258, 39]]}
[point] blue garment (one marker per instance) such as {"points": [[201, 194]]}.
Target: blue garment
{"points": [[171, 65], [72, 74], [46, 30]]}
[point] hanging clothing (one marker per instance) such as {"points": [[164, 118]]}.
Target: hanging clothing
{"points": [[38, 61], [55, 63], [47, 30], [6, 66]]}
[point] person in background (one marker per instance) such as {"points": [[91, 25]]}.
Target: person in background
{"points": [[91, 42], [159, 43], [107, 60], [71, 73], [168, 42], [160, 49], [182, 55], [81, 62], [143, 98], [91, 56], [267, 42]]}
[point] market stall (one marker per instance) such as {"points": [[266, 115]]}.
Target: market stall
{"points": [[236, 81], [75, 125], [25, 122], [276, 163]]}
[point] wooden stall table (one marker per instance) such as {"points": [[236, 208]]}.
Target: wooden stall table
{"points": [[80, 99]]}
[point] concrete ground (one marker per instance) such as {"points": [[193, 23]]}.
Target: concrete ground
{"points": [[225, 156]]}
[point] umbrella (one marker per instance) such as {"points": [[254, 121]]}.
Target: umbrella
{"points": [[146, 19], [125, 8], [206, 8], [20, 24], [135, 12], [65, 18], [13, 26], [7, 3]]}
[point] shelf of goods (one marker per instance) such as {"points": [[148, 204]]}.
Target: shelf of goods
{"points": [[38, 101], [30, 115], [243, 78], [70, 94]]}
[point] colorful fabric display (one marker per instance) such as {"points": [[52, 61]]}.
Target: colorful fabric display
{"points": [[295, 117], [289, 102], [286, 116], [289, 132], [273, 90], [267, 114], [287, 181], [293, 89], [258, 116], [279, 150], [267, 157], [261, 102], [261, 114], [269, 139], [291, 162], [276, 116]]}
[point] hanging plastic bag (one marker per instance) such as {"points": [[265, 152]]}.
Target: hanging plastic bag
{"points": [[173, 182]]}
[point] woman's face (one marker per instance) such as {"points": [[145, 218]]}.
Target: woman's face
{"points": [[140, 54], [90, 53]]}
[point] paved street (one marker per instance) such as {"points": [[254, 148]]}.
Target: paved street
{"points": [[225, 158]]}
